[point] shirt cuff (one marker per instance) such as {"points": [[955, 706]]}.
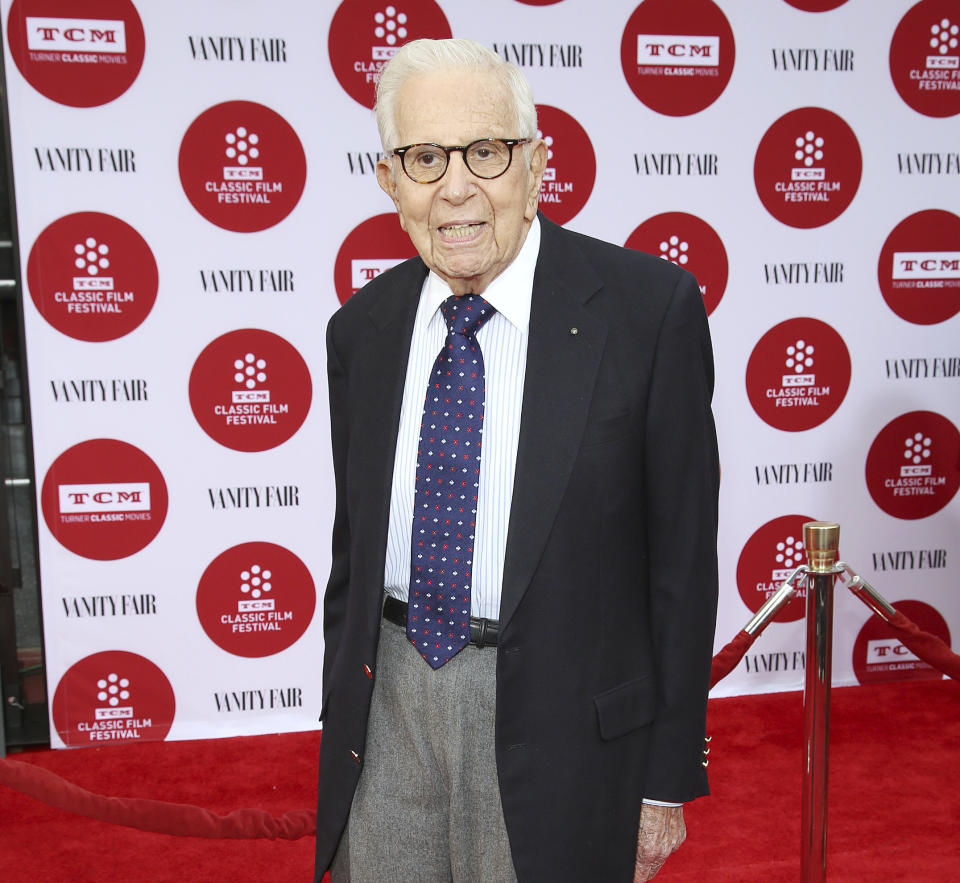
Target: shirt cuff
{"points": [[660, 802]]}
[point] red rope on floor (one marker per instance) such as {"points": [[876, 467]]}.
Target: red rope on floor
{"points": [[179, 819]]}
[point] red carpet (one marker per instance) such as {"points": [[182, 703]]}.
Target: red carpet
{"points": [[894, 809]]}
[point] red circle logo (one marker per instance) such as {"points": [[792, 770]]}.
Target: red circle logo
{"points": [[768, 558], [807, 168], [375, 245], [113, 696], [242, 166], [913, 466], [571, 164], [816, 5], [366, 34], [92, 277], [250, 390], [255, 599], [677, 55], [919, 268], [690, 243], [798, 374], [879, 656], [925, 58], [104, 499], [81, 53]]}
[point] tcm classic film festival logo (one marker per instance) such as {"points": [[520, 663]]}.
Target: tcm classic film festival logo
{"points": [[256, 599], [925, 58], [113, 696], [878, 656], [242, 166], [250, 390], [104, 499], [571, 164], [375, 245], [919, 267], [688, 242], [92, 276], [76, 52], [677, 55], [366, 34], [913, 466], [807, 168], [768, 558], [798, 374]]}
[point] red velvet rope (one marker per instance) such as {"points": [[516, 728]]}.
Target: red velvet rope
{"points": [[729, 657], [179, 819], [193, 821], [928, 647]]}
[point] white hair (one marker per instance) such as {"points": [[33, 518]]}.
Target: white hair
{"points": [[430, 56]]}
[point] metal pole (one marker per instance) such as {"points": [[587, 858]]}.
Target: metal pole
{"points": [[821, 539]]}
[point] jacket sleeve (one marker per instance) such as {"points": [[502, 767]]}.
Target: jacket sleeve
{"points": [[681, 483]]}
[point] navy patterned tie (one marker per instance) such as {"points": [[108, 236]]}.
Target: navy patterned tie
{"points": [[448, 482]]}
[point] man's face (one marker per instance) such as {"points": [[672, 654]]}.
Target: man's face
{"points": [[466, 229]]}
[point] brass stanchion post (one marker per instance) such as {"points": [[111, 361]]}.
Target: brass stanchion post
{"points": [[821, 540]]}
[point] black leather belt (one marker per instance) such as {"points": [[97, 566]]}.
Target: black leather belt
{"points": [[483, 632]]}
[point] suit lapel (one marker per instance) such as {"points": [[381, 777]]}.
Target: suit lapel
{"points": [[381, 368], [561, 371]]}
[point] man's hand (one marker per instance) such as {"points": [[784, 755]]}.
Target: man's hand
{"points": [[661, 833]]}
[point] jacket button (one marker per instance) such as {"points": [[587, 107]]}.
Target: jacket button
{"points": [[355, 756], [368, 671]]}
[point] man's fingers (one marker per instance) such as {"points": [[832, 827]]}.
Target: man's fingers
{"points": [[660, 834]]}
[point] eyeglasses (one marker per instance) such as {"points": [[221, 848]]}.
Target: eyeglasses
{"points": [[486, 158]]}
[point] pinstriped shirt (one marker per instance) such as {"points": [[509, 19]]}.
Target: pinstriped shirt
{"points": [[503, 341]]}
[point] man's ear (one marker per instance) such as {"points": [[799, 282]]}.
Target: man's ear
{"points": [[538, 163], [387, 180]]}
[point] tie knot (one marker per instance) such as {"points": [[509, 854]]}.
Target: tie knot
{"points": [[464, 314]]}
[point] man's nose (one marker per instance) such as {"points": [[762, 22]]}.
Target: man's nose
{"points": [[458, 182]]}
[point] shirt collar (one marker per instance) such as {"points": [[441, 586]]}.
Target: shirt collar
{"points": [[510, 293]]}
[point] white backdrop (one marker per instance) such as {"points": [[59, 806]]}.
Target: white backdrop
{"points": [[183, 599]]}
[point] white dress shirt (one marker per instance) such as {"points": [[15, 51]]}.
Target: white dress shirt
{"points": [[503, 342]]}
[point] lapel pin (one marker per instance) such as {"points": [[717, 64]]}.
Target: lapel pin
{"points": [[574, 331]]}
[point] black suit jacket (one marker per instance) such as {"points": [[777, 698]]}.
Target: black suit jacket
{"points": [[610, 581]]}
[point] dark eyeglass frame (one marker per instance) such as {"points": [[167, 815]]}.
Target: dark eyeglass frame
{"points": [[462, 149]]}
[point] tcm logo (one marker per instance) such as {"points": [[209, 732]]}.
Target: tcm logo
{"points": [[362, 270], [76, 35], [668, 50], [799, 358], [887, 650], [133, 496], [246, 397], [926, 265], [389, 26], [108, 714], [945, 36]]}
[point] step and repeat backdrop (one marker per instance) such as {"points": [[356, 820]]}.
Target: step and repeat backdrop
{"points": [[196, 195]]}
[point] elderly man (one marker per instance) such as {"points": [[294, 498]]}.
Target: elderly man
{"points": [[520, 612]]}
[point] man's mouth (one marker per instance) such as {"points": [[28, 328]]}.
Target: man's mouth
{"points": [[460, 231]]}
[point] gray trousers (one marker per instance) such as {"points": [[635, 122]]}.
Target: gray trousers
{"points": [[427, 806]]}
